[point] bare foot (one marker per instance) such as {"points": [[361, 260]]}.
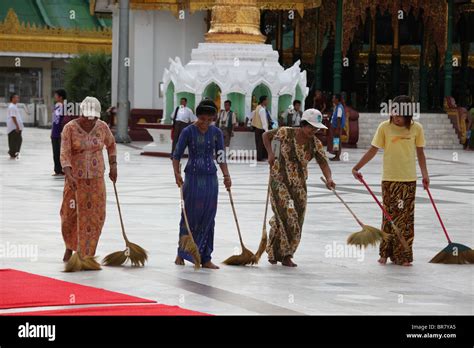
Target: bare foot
{"points": [[67, 255], [407, 264], [179, 261], [383, 260], [273, 262], [287, 262], [210, 265]]}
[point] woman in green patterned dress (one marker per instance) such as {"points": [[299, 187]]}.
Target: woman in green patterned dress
{"points": [[288, 174]]}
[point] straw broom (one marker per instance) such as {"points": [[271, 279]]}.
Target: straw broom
{"points": [[387, 216], [246, 257], [263, 242], [454, 253], [137, 255], [77, 262], [368, 235], [186, 242]]}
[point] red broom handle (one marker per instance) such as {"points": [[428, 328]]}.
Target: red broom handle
{"points": [[389, 218], [437, 214]]}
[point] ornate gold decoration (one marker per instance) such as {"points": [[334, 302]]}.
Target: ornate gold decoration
{"points": [[235, 21], [21, 37]]}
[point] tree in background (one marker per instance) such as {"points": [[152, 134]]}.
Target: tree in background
{"points": [[89, 75]]}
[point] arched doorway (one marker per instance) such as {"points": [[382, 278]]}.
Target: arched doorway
{"points": [[189, 96], [284, 101], [213, 92], [238, 105], [169, 100], [259, 91]]}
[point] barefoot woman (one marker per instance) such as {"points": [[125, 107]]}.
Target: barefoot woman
{"points": [[289, 173], [203, 141], [402, 140], [82, 142]]}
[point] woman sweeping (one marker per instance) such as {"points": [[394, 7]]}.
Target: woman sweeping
{"points": [[203, 141], [288, 175], [82, 142], [402, 140]]}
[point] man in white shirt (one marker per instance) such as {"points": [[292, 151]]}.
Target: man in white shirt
{"points": [[182, 117], [14, 127], [261, 122]]}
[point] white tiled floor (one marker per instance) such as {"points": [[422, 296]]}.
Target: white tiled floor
{"points": [[321, 284]]}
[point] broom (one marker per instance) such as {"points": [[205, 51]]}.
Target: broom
{"points": [[186, 242], [454, 253], [263, 242], [246, 257], [137, 255], [368, 235], [387, 216], [77, 262]]}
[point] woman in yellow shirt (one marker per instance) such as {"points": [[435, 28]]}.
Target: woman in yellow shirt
{"points": [[402, 140]]}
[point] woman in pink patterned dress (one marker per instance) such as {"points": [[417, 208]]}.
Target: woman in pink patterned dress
{"points": [[83, 207]]}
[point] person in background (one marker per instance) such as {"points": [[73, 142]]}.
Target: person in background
{"points": [[14, 127], [292, 116], [226, 121], [182, 117], [319, 101], [112, 115], [338, 120], [56, 129], [402, 141], [470, 130], [261, 122]]}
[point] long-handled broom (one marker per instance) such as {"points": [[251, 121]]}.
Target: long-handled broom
{"points": [[263, 242], [387, 216], [137, 255], [186, 242], [77, 262], [454, 253], [368, 235], [246, 257]]}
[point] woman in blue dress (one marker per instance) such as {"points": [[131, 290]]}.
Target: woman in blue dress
{"points": [[200, 188]]}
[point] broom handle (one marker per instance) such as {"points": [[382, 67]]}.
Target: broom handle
{"points": [[184, 214], [345, 204], [387, 215], [438, 215], [235, 218], [120, 214], [266, 204]]}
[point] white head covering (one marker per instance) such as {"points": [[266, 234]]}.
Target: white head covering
{"points": [[314, 118], [90, 108]]}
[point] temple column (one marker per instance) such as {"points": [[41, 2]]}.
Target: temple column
{"points": [[337, 66], [372, 73], [448, 58], [123, 102], [396, 57], [424, 70], [464, 61], [318, 71], [296, 37]]}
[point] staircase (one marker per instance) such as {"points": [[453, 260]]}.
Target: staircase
{"points": [[439, 131]]}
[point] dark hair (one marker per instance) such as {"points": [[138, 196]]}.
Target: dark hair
{"points": [[61, 93], [402, 99], [206, 107], [228, 101], [262, 99], [185, 99], [305, 123], [338, 96], [12, 96], [296, 101]]}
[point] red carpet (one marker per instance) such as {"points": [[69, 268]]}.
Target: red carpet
{"points": [[129, 310], [21, 289]]}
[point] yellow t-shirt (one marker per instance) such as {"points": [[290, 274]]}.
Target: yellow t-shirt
{"points": [[399, 145]]}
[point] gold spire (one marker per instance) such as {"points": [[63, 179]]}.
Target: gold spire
{"points": [[235, 21]]}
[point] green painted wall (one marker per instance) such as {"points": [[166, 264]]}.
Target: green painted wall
{"points": [[260, 90], [238, 105], [190, 97], [170, 100], [284, 101]]}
